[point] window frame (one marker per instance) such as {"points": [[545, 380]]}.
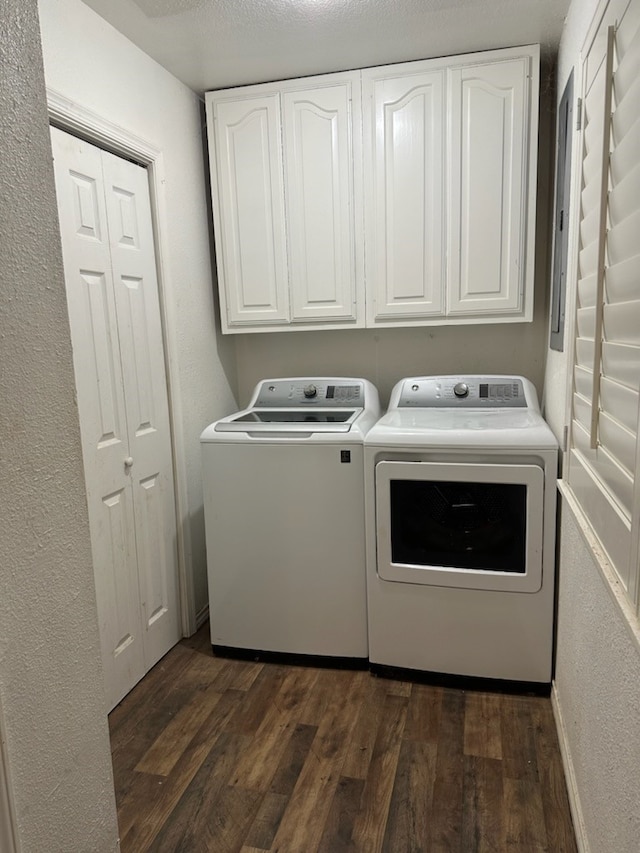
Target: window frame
{"points": [[609, 12], [562, 218]]}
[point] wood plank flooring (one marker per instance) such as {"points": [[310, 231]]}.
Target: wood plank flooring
{"points": [[220, 755]]}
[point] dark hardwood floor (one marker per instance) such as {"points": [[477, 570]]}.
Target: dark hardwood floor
{"points": [[223, 755]]}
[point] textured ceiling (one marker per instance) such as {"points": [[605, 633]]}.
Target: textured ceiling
{"points": [[209, 44]]}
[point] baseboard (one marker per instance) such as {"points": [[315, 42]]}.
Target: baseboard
{"points": [[202, 616], [569, 775]]}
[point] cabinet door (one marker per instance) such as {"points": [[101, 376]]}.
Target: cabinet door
{"points": [[488, 187], [403, 144], [249, 210], [319, 188]]}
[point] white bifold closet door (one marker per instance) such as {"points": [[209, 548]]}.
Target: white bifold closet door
{"points": [[118, 352]]}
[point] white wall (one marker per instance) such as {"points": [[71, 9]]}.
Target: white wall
{"points": [[597, 680], [89, 62], [51, 692]]}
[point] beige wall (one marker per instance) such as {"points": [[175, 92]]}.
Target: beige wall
{"points": [[57, 742], [386, 355], [93, 65], [597, 679]]}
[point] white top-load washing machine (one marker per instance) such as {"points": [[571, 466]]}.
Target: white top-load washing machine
{"points": [[284, 518], [460, 479]]}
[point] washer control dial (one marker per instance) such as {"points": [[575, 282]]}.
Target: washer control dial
{"points": [[310, 391], [461, 389]]}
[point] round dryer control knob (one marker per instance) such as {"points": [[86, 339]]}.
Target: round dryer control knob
{"points": [[461, 389], [310, 391]]}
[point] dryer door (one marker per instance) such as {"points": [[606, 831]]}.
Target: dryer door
{"points": [[476, 526]]}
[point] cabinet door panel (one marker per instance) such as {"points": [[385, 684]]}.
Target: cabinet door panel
{"points": [[319, 184], [251, 245], [403, 137], [487, 187]]}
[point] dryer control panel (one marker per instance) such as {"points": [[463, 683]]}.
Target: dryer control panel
{"points": [[324, 393], [465, 392]]}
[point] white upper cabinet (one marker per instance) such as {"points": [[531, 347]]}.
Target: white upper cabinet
{"points": [[487, 188], [450, 158], [417, 201], [285, 178], [251, 241], [319, 192], [404, 177]]}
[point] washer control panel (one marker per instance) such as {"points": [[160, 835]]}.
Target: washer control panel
{"points": [[324, 393], [466, 392]]}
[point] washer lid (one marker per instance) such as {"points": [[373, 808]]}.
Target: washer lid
{"points": [[300, 408], [291, 420]]}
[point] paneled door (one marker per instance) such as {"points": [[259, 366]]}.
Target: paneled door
{"points": [[487, 186], [252, 242], [404, 166], [319, 193], [118, 352]]}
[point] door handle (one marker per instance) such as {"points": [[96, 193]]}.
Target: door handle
{"points": [[128, 462]]}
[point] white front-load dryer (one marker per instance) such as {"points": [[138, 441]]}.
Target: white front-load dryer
{"points": [[284, 516], [460, 480]]}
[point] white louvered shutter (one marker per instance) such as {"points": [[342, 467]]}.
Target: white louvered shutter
{"points": [[604, 453]]}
